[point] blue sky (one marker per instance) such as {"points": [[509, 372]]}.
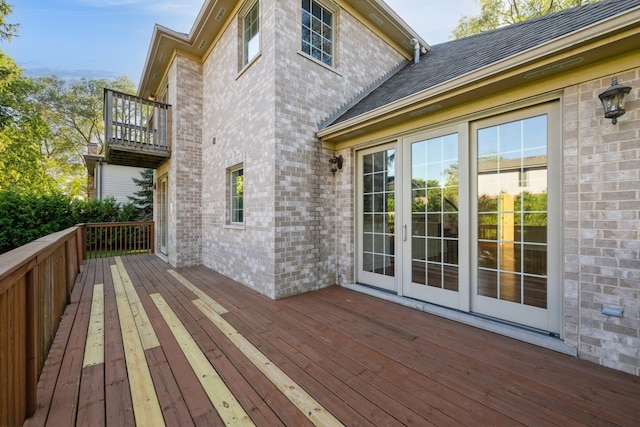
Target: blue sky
{"points": [[110, 38]]}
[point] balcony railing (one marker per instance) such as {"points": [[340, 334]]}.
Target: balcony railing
{"points": [[36, 281], [137, 130]]}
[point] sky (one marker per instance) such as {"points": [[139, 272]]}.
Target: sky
{"points": [[110, 38]]}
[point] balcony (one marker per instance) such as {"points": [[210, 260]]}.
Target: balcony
{"points": [[137, 131], [141, 343]]}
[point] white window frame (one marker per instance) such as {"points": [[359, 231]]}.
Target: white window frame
{"points": [[333, 27], [234, 197], [250, 48]]}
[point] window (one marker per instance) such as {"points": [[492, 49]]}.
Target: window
{"points": [[236, 192], [251, 34], [317, 31]]}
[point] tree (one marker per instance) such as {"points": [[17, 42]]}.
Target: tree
{"points": [[73, 111], [143, 198], [7, 31], [498, 13], [22, 128]]}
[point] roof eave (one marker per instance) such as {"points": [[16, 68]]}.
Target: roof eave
{"points": [[213, 18], [585, 36]]}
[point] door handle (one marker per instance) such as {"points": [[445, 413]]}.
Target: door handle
{"points": [[404, 233]]}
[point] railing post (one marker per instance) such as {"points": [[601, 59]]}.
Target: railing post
{"points": [[32, 311], [152, 238], [108, 118], [83, 236], [80, 247]]}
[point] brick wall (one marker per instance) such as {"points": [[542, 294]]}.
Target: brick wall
{"points": [[602, 225], [265, 117], [238, 111], [185, 168], [313, 208]]}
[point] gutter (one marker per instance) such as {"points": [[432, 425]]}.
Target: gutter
{"points": [[600, 30]]}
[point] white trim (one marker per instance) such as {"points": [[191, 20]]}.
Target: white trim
{"points": [[230, 222]]}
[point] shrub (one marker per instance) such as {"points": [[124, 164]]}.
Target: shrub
{"points": [[27, 217]]}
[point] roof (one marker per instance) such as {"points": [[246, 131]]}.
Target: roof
{"points": [[453, 59], [214, 17]]}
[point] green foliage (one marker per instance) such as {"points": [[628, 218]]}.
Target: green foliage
{"points": [[22, 163], [7, 31], [73, 111], [498, 13], [25, 217], [143, 198]]}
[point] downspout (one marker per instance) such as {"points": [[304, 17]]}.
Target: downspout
{"points": [[99, 189]]}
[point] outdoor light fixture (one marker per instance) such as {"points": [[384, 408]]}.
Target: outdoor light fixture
{"points": [[613, 100], [336, 163]]}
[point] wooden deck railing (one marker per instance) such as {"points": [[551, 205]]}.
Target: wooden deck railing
{"points": [[36, 281], [117, 238], [35, 284]]}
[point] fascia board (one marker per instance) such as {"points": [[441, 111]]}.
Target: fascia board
{"points": [[588, 35]]}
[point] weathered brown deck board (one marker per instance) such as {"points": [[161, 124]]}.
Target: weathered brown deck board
{"points": [[366, 361]]}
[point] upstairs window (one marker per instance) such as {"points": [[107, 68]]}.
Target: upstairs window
{"points": [[251, 34], [317, 31]]}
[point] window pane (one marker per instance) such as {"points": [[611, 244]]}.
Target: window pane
{"points": [[251, 33], [512, 210], [378, 204], [317, 30], [237, 194], [435, 233]]}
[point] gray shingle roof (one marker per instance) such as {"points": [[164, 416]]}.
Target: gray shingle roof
{"points": [[455, 58]]}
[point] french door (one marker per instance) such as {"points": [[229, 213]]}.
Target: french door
{"points": [[517, 214], [376, 221], [467, 217], [431, 215]]}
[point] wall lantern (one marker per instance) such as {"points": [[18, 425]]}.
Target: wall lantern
{"points": [[613, 100], [336, 163]]}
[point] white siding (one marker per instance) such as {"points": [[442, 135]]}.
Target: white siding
{"points": [[116, 181]]}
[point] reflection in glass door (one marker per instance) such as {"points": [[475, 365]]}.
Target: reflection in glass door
{"points": [[376, 238], [434, 220], [466, 216], [512, 188]]}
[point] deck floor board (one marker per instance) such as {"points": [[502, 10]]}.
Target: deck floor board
{"points": [[364, 360]]}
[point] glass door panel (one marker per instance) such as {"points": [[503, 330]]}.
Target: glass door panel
{"points": [[377, 254], [512, 212], [434, 219]]}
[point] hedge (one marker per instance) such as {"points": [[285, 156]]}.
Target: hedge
{"points": [[27, 217]]}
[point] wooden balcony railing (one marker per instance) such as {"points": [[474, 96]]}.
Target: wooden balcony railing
{"points": [[137, 130], [36, 281]]}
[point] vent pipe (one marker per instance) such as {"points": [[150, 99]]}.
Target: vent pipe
{"points": [[416, 50]]}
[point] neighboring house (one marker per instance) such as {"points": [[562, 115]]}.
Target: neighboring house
{"points": [[305, 147], [109, 181]]}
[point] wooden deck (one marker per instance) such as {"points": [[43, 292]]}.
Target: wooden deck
{"points": [[143, 344]]}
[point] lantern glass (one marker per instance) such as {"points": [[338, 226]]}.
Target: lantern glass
{"points": [[613, 100]]}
